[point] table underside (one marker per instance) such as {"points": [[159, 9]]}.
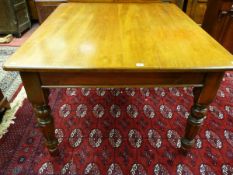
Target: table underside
{"points": [[121, 79], [205, 85]]}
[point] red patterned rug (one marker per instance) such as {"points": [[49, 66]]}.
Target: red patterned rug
{"points": [[122, 131]]}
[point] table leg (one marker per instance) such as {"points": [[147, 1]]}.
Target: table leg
{"points": [[39, 99], [4, 105], [203, 96], [3, 101]]}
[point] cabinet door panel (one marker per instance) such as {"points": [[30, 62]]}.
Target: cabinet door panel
{"points": [[227, 39], [218, 22], [8, 22], [45, 8], [22, 16], [196, 10], [32, 9]]}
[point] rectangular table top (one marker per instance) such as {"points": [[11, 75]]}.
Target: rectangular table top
{"points": [[119, 37]]}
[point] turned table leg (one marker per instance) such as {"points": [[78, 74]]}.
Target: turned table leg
{"points": [[39, 99], [203, 96]]}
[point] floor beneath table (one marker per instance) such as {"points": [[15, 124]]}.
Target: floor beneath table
{"points": [[122, 131], [19, 41]]}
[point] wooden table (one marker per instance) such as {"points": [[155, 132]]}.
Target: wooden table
{"points": [[120, 45]]}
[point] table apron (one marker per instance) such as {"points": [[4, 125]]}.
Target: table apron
{"points": [[122, 79]]}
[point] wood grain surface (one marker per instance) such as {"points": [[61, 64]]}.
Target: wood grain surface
{"points": [[119, 37]]}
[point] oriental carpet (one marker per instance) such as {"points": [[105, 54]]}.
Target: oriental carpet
{"points": [[10, 85], [128, 131], [9, 81]]}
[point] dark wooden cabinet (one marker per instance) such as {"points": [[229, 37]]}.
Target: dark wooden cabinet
{"points": [[14, 17], [196, 10], [32, 9], [46, 7], [218, 22]]}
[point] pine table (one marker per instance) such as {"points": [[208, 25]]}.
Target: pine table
{"points": [[120, 45]]}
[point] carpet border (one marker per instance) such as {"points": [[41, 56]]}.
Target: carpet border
{"points": [[9, 115]]}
